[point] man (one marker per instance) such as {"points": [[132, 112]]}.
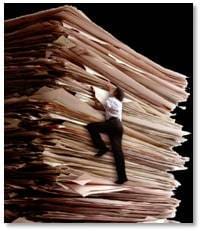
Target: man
{"points": [[114, 128]]}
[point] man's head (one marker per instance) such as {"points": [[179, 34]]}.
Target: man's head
{"points": [[118, 93]]}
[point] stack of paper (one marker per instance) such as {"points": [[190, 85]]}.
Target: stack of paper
{"points": [[57, 66]]}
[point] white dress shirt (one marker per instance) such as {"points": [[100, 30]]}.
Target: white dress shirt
{"points": [[113, 108]]}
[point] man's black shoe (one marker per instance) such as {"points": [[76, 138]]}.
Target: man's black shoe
{"points": [[102, 152], [121, 181]]}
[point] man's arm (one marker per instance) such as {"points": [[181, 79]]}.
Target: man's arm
{"points": [[99, 105], [110, 88]]}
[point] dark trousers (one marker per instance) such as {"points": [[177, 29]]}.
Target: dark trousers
{"points": [[113, 127]]}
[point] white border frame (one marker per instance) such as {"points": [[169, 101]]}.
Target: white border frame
{"points": [[198, 121]]}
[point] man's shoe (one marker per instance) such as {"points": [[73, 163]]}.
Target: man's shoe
{"points": [[121, 181], [102, 152]]}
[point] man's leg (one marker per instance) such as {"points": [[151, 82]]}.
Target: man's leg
{"points": [[95, 129], [119, 157]]}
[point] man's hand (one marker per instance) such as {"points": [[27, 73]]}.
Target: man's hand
{"points": [[110, 87]]}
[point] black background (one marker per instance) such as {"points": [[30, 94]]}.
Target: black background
{"points": [[162, 32]]}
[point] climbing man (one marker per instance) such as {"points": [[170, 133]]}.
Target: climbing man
{"points": [[114, 128]]}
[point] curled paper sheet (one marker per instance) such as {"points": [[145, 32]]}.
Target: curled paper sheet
{"points": [[87, 178], [64, 42], [22, 220], [68, 101], [95, 189], [101, 95]]}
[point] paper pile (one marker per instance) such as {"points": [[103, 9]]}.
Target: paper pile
{"points": [[57, 64]]}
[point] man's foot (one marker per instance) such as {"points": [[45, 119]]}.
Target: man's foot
{"points": [[121, 181], [102, 152]]}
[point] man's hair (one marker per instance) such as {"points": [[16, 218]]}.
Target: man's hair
{"points": [[119, 94]]}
